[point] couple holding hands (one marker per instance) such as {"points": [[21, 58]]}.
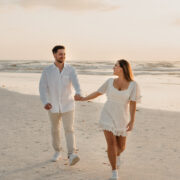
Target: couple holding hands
{"points": [[117, 116]]}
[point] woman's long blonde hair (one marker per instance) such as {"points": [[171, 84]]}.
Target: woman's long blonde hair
{"points": [[128, 74]]}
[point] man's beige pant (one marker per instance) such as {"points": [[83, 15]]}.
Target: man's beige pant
{"points": [[68, 122]]}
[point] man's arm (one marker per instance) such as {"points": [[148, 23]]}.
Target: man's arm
{"points": [[75, 82], [43, 89]]}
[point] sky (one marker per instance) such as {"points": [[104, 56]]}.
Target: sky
{"points": [[94, 30]]}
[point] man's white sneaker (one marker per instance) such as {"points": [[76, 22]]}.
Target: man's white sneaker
{"points": [[56, 157], [73, 159], [114, 175], [118, 162]]}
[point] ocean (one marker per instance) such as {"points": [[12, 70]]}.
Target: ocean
{"points": [[93, 68]]}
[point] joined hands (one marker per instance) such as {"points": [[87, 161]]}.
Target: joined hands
{"points": [[78, 97]]}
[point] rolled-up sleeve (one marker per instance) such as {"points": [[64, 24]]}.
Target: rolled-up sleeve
{"points": [[43, 88], [75, 81]]}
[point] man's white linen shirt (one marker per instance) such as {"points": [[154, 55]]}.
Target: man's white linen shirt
{"points": [[55, 87]]}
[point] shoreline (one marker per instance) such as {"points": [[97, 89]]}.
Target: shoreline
{"points": [[156, 90]]}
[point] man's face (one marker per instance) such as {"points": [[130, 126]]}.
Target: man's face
{"points": [[60, 55]]}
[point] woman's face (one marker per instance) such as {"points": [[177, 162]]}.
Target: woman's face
{"points": [[117, 69]]}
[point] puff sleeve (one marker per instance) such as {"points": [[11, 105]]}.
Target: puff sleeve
{"points": [[135, 94], [103, 88]]}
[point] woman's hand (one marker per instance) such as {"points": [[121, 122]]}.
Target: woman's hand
{"points": [[82, 99], [130, 126], [77, 97]]}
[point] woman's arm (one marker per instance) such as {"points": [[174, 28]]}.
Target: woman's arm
{"points": [[91, 96], [132, 108]]}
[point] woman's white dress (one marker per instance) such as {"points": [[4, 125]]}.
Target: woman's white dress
{"points": [[115, 113]]}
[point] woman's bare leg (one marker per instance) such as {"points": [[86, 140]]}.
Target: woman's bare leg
{"points": [[121, 144], [111, 148]]}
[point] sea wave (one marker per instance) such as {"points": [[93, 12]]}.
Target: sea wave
{"points": [[93, 67]]}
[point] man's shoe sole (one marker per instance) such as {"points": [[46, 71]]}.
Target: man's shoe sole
{"points": [[75, 160], [55, 160]]}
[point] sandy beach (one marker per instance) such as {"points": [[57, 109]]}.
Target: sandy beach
{"points": [[153, 148]]}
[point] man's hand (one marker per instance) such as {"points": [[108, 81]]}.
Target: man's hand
{"points": [[48, 106], [77, 97]]}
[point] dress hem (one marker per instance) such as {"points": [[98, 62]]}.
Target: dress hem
{"points": [[115, 132]]}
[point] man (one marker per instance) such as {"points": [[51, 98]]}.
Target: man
{"points": [[55, 89]]}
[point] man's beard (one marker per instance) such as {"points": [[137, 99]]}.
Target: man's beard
{"points": [[59, 61]]}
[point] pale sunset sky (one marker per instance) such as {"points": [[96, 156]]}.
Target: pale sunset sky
{"points": [[137, 30]]}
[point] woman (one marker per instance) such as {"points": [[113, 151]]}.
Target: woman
{"points": [[121, 92]]}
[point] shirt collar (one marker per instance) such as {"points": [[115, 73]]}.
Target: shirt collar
{"points": [[65, 65]]}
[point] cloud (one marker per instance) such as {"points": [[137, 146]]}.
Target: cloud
{"points": [[66, 5]]}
